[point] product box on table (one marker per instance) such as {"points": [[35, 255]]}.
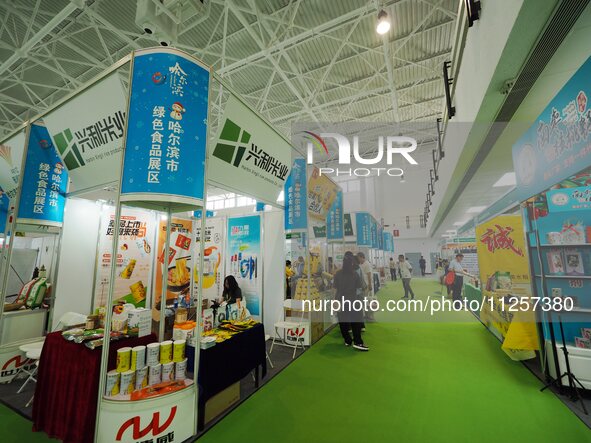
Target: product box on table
{"points": [[139, 322]]}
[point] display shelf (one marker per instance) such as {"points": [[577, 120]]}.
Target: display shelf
{"points": [[567, 277]]}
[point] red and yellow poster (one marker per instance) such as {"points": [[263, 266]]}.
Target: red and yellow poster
{"points": [[504, 272], [179, 264], [322, 192]]}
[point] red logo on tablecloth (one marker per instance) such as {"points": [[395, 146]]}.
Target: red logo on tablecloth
{"points": [[18, 361], [154, 425]]}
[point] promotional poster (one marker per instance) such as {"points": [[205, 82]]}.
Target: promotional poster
{"points": [[243, 259], [135, 256], [214, 257]]}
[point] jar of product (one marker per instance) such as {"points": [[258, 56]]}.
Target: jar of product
{"points": [[181, 315]]}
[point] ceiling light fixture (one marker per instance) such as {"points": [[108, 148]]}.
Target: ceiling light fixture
{"points": [[383, 23], [475, 209], [507, 179]]}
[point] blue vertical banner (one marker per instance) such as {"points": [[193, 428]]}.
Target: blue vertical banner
{"points": [[45, 180], [363, 228], [381, 237], [334, 219], [385, 241], [296, 209], [243, 259], [4, 202], [374, 233], [260, 206], [165, 144], [558, 144]]}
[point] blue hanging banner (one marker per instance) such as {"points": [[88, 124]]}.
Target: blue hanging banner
{"points": [[260, 206], [374, 233], [166, 136], [363, 228], [45, 180], [199, 212], [558, 145], [385, 241], [4, 202], [380, 237], [334, 219], [296, 210]]}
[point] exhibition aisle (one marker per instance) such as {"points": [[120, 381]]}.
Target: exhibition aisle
{"points": [[444, 382]]}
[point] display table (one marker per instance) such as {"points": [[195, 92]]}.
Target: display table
{"points": [[67, 387], [228, 362]]}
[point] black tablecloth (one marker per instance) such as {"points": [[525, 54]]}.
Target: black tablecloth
{"points": [[230, 361]]}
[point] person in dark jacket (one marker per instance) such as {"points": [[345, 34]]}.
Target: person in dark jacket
{"points": [[232, 292], [347, 283]]}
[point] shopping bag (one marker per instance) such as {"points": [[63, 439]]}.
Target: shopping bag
{"points": [[450, 278]]}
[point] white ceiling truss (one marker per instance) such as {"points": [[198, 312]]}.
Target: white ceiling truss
{"points": [[292, 60]]}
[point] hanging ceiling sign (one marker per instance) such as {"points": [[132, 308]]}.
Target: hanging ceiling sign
{"points": [[11, 157], [88, 133], [363, 227], [322, 192], [334, 220], [295, 197], [249, 157], [45, 180], [166, 138], [4, 204], [558, 145]]}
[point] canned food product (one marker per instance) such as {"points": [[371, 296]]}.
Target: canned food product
{"points": [[138, 357], [127, 382], [154, 374], [180, 370], [168, 371], [178, 352], [141, 378], [123, 359], [153, 354], [113, 383], [166, 351]]}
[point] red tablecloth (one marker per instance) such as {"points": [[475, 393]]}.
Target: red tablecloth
{"points": [[67, 387]]}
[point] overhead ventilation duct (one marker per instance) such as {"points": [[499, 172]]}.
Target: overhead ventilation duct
{"points": [[162, 26]]}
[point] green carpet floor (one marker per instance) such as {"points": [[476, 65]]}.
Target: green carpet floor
{"points": [[420, 382]]}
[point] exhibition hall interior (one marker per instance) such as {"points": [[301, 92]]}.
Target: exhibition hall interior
{"points": [[295, 221]]}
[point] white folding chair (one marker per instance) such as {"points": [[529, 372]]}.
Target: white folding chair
{"points": [[267, 338], [294, 324]]}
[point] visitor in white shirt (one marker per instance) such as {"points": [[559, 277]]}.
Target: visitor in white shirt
{"points": [[456, 266], [405, 269]]}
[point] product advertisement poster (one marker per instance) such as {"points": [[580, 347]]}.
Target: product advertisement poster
{"points": [[214, 260], [374, 234], [504, 272], [363, 227], [135, 254], [178, 268], [296, 215], [334, 220], [167, 130], [88, 133], [11, 156], [243, 256], [248, 156], [322, 192], [558, 144], [45, 181]]}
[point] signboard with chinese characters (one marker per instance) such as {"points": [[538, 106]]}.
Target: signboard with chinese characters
{"points": [[558, 145], [322, 192], [363, 226], [296, 215], [504, 272], [243, 259], [43, 191], [214, 255], [135, 255], [165, 146], [248, 156], [87, 132], [569, 199], [348, 225], [334, 220], [11, 156], [374, 233]]}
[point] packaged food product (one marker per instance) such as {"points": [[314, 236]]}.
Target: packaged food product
{"points": [[141, 378], [113, 383], [166, 351], [138, 357], [154, 374], [127, 382], [168, 371], [123, 359], [180, 370], [178, 352]]}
